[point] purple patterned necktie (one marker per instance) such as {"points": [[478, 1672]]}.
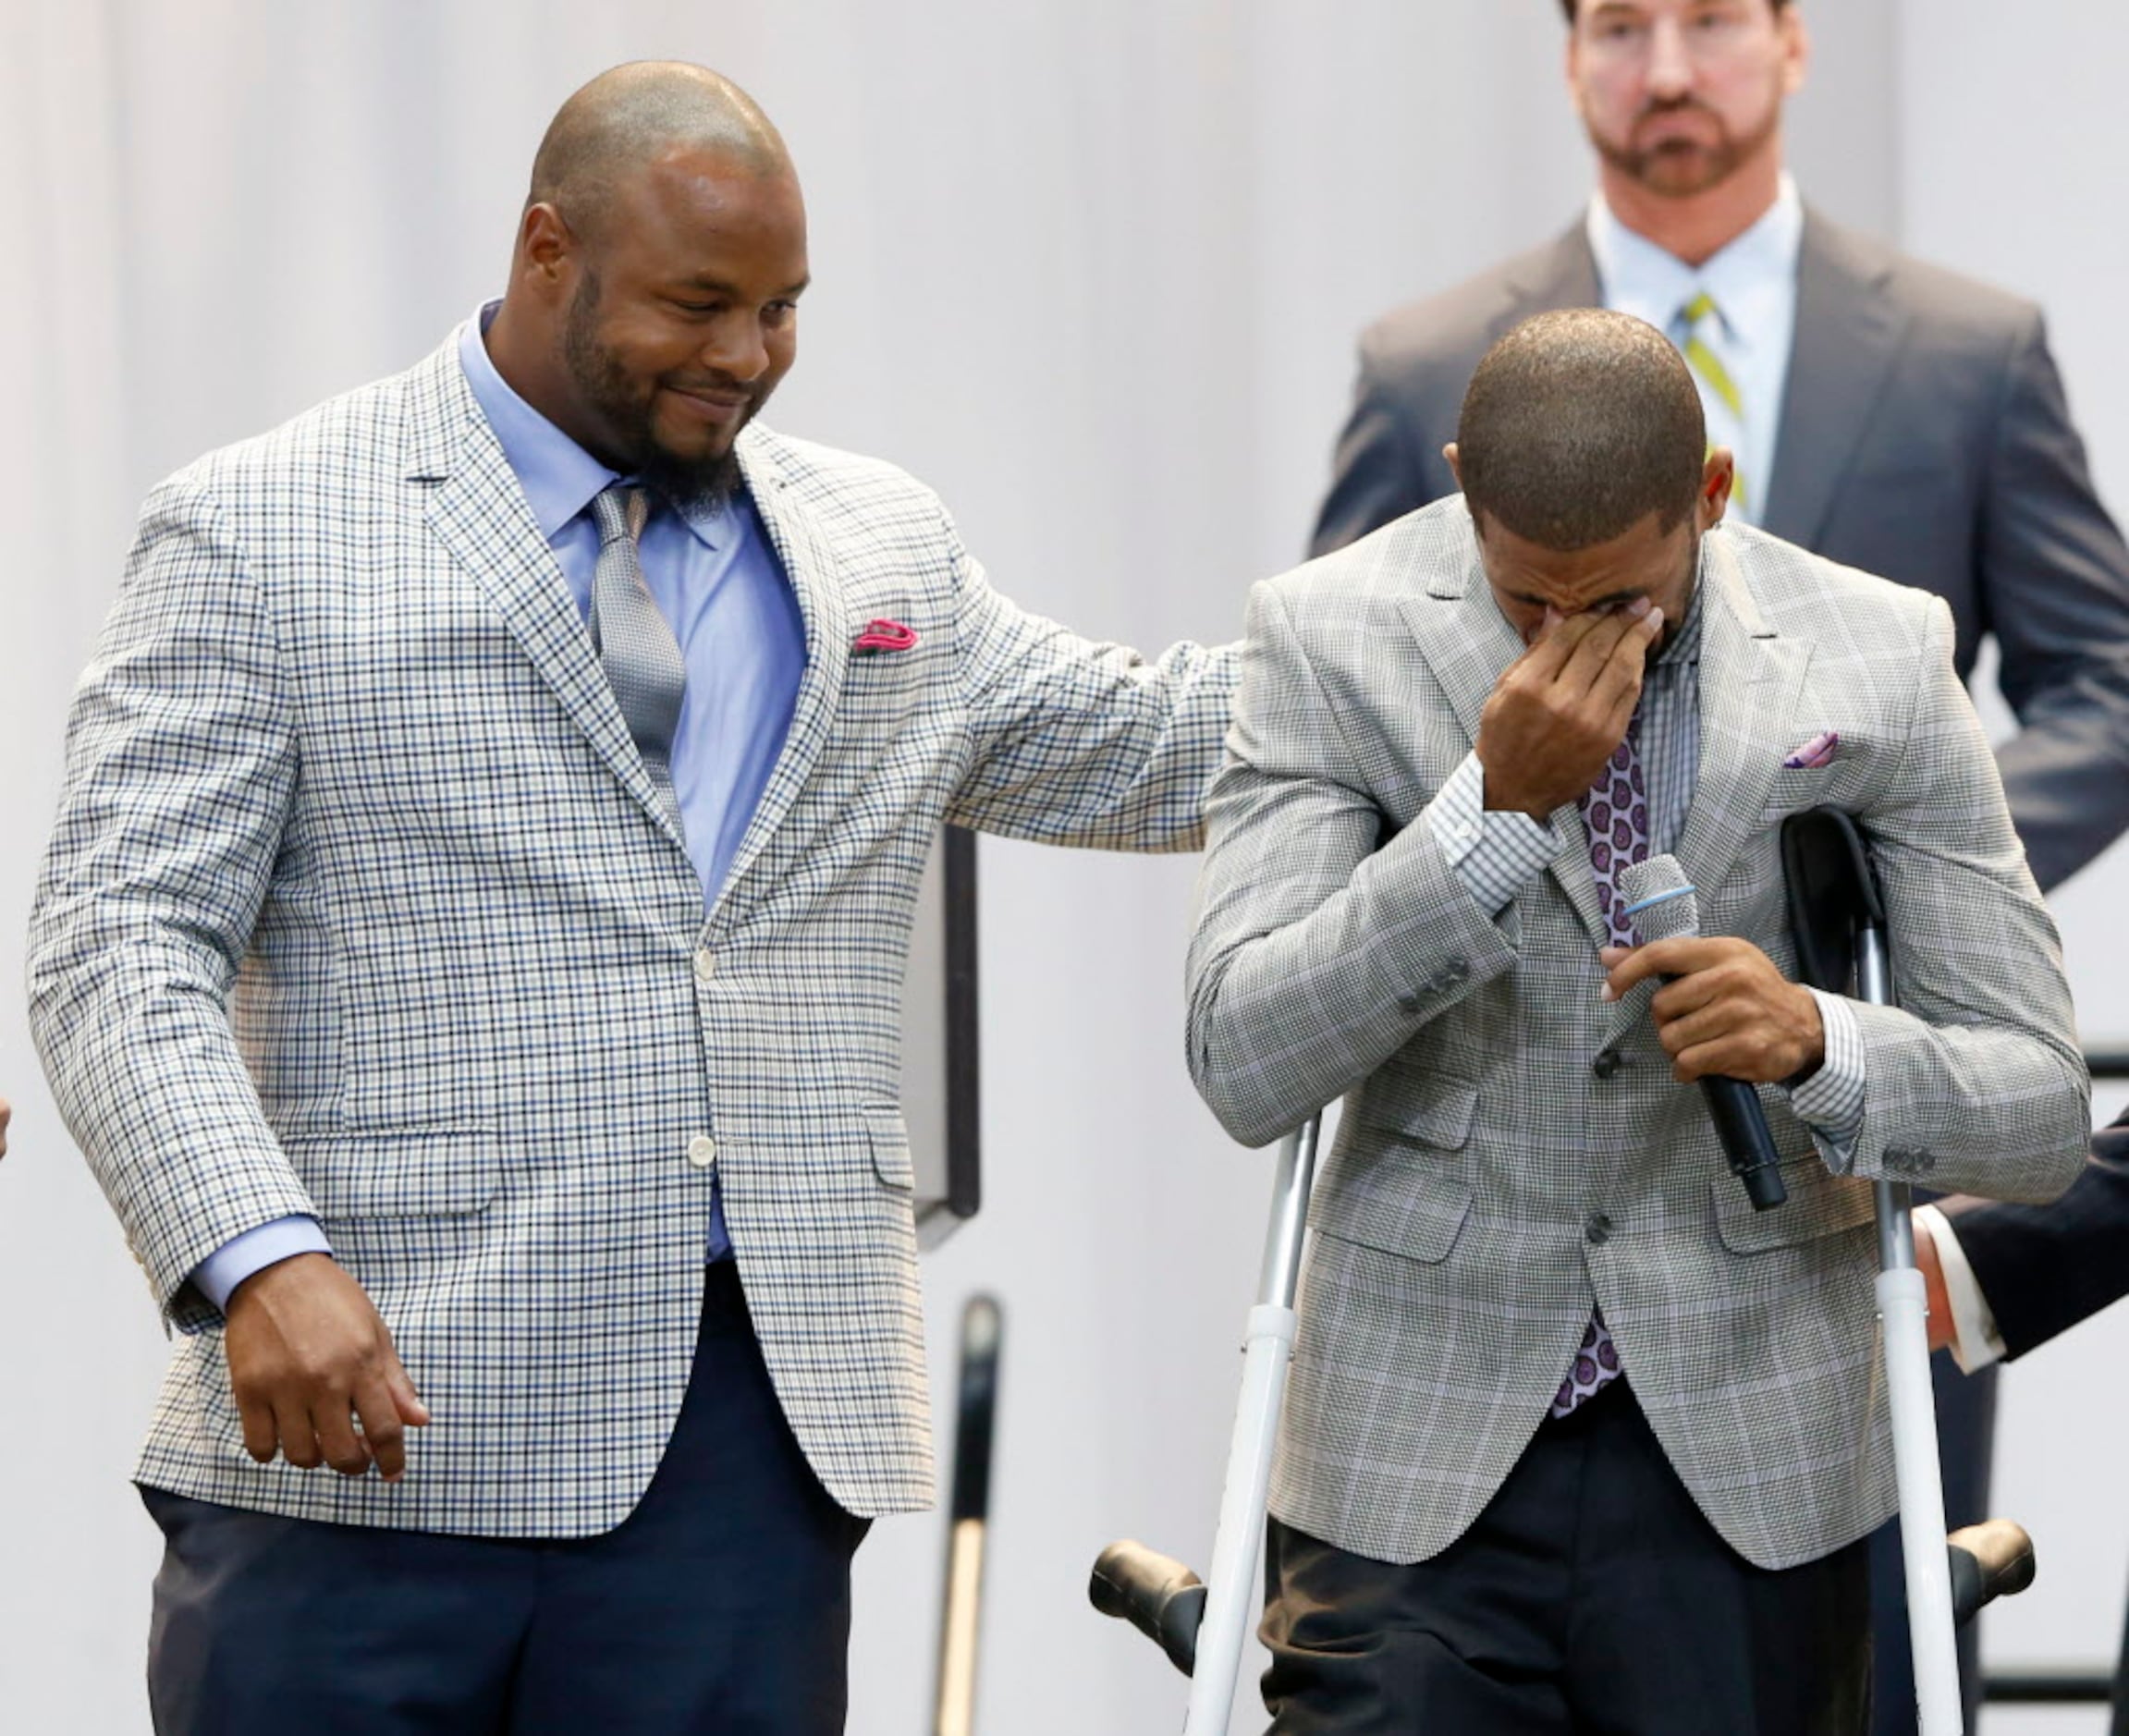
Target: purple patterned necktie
{"points": [[1615, 815]]}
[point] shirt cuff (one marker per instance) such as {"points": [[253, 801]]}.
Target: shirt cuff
{"points": [[1976, 1342], [217, 1276], [1830, 1101], [1494, 854]]}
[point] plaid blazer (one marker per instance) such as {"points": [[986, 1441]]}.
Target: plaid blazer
{"points": [[361, 903], [1512, 1151]]}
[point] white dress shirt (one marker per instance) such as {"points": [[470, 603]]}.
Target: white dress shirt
{"points": [[1752, 282]]}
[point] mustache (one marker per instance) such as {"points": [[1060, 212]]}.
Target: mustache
{"points": [[1661, 107], [722, 385]]}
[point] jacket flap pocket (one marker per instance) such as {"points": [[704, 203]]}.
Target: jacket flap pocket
{"points": [[1439, 1115], [398, 1175], [889, 1135], [1819, 1204], [1399, 1207]]}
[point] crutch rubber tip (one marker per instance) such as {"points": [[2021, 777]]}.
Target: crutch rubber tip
{"points": [[1989, 1561], [1158, 1594]]}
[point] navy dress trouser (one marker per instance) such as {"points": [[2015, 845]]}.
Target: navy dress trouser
{"points": [[720, 1603], [1591, 1597]]}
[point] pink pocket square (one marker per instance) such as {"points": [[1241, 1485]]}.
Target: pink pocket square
{"points": [[1814, 754], [883, 635]]}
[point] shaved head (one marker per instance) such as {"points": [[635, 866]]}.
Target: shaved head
{"points": [[652, 299], [1578, 424], [637, 114]]}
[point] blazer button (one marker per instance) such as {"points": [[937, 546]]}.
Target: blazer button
{"points": [[705, 964], [1608, 1062], [701, 1151], [1596, 1227]]}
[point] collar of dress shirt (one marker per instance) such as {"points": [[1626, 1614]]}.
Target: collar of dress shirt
{"points": [[1751, 279], [560, 479]]}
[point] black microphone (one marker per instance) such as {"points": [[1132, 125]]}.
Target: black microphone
{"points": [[1663, 906]]}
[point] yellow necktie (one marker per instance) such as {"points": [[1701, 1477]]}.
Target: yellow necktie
{"points": [[1701, 357]]}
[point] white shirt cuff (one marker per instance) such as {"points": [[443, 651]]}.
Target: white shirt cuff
{"points": [[217, 1276], [1975, 1343], [1494, 854], [1830, 1102]]}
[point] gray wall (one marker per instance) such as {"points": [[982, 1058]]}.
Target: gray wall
{"points": [[1095, 271]]}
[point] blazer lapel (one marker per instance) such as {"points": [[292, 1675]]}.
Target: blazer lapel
{"points": [[1560, 275], [1466, 644], [479, 512], [1848, 331], [816, 582], [1750, 678]]}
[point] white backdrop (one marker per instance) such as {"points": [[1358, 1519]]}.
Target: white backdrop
{"points": [[1093, 270]]}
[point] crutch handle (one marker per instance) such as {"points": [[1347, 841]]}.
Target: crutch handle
{"points": [[1160, 1598], [1989, 1561]]}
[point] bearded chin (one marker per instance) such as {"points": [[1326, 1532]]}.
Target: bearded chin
{"points": [[1684, 174], [692, 485]]}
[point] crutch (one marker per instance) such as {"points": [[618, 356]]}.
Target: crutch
{"points": [[1837, 917], [975, 1429], [1201, 1627]]}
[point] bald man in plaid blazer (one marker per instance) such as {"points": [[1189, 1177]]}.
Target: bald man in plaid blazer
{"points": [[365, 909], [1516, 1158]]}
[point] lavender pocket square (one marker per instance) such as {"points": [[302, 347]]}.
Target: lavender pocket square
{"points": [[1814, 754]]}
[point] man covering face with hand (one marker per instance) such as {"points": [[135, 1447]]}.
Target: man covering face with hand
{"points": [[1575, 1437]]}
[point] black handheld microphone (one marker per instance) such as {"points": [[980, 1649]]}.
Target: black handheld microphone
{"points": [[1663, 906]]}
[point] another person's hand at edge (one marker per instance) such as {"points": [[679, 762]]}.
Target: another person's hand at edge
{"points": [[1943, 1328]]}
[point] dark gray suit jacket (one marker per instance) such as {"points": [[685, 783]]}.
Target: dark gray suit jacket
{"points": [[1924, 437], [2044, 1268]]}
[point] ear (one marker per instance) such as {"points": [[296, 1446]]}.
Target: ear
{"points": [[1449, 458], [546, 252], [1571, 63], [1795, 47], [1718, 477]]}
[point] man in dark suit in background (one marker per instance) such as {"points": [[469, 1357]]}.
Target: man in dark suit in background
{"points": [[1883, 412]]}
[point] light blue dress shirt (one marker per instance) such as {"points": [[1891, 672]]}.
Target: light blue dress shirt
{"points": [[1752, 281], [716, 578]]}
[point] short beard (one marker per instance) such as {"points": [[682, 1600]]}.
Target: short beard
{"points": [[1712, 164], [692, 486]]}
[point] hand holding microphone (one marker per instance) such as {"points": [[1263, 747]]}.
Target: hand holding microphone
{"points": [[1726, 1017]]}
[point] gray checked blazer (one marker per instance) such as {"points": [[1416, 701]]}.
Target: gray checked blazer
{"points": [[361, 903], [1512, 1151]]}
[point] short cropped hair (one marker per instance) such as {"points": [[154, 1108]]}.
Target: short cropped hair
{"points": [[1577, 427], [1569, 6]]}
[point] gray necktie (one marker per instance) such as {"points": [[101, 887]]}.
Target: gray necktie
{"points": [[635, 645]]}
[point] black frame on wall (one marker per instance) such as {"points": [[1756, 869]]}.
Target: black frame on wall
{"points": [[941, 1074]]}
